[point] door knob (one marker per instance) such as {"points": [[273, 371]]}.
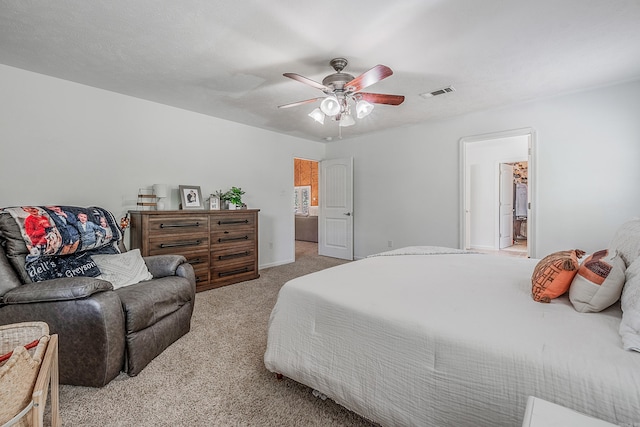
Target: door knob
{"points": [[347, 213]]}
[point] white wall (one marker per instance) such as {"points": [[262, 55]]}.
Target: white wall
{"points": [[66, 143], [406, 181]]}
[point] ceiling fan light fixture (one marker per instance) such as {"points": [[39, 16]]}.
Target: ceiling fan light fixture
{"points": [[346, 121], [317, 115], [343, 98], [330, 106], [363, 108]]}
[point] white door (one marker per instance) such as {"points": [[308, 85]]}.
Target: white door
{"points": [[335, 219], [506, 205]]}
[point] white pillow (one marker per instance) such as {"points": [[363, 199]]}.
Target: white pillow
{"points": [[626, 241], [630, 303], [598, 283], [123, 269]]}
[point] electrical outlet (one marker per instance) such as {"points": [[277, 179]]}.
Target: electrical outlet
{"points": [[390, 243]]}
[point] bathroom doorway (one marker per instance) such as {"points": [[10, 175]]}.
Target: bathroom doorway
{"points": [[488, 218], [513, 212]]}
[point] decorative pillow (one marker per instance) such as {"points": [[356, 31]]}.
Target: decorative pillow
{"points": [[553, 274], [123, 269], [626, 241], [598, 283], [630, 303]]}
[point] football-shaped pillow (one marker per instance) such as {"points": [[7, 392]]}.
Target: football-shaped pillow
{"points": [[553, 274], [598, 283]]}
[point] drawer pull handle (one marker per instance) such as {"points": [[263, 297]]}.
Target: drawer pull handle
{"points": [[231, 256], [232, 272], [200, 279], [229, 239], [178, 244], [195, 261], [244, 221], [195, 224]]}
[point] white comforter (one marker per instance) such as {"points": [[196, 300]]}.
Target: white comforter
{"points": [[448, 340]]}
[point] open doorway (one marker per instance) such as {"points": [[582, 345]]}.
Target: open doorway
{"points": [[513, 204], [492, 191], [305, 206]]}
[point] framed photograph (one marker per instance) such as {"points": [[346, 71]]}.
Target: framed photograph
{"points": [[191, 197], [214, 203]]}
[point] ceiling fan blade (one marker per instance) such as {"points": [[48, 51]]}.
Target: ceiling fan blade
{"points": [[379, 98], [368, 78], [295, 104], [307, 81]]}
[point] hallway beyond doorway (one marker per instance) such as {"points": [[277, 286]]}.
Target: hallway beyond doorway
{"points": [[518, 249]]}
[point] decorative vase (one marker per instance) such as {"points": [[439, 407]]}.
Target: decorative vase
{"points": [[232, 206], [160, 190]]}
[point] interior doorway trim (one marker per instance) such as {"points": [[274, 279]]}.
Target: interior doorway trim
{"points": [[465, 142], [293, 172]]}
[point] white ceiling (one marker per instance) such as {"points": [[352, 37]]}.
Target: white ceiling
{"points": [[226, 58]]}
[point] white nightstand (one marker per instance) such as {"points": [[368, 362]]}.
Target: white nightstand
{"points": [[540, 413]]}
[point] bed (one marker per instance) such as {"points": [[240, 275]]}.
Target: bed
{"points": [[429, 336]]}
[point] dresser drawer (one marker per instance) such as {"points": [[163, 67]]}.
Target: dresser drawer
{"points": [[233, 271], [232, 253], [233, 262], [226, 237], [202, 274], [183, 244], [172, 225], [198, 259], [231, 221]]}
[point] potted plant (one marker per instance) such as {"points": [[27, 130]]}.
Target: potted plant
{"points": [[234, 197]]}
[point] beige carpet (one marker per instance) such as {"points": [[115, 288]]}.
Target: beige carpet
{"points": [[215, 375]]}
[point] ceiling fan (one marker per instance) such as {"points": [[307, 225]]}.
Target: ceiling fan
{"points": [[343, 91]]}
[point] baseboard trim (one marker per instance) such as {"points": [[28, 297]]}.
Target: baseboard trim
{"points": [[275, 264]]}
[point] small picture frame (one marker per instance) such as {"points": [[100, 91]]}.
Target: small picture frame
{"points": [[214, 203], [191, 197]]}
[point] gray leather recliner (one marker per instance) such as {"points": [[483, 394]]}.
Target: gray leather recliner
{"points": [[101, 331]]}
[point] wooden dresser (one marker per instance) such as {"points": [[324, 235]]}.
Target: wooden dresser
{"points": [[221, 245]]}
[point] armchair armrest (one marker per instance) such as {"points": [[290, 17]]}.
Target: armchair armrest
{"points": [[170, 265], [64, 289], [163, 265]]}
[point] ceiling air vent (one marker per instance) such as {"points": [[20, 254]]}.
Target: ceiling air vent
{"points": [[437, 92]]}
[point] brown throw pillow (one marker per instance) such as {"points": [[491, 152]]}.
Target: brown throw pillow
{"points": [[553, 275]]}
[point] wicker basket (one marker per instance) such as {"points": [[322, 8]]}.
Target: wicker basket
{"points": [[18, 374]]}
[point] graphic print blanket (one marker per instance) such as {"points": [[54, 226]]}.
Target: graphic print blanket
{"points": [[61, 239]]}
